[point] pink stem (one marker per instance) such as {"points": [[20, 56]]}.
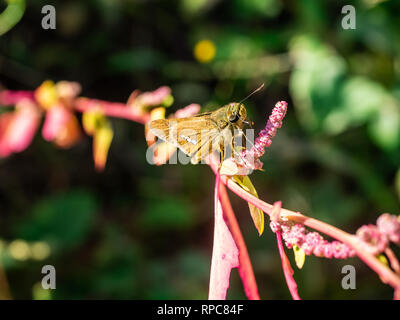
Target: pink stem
{"points": [[287, 269], [112, 109], [394, 263], [245, 268], [9, 97]]}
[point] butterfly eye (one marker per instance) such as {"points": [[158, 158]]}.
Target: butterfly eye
{"points": [[233, 117]]}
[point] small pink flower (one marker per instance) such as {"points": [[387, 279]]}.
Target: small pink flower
{"points": [[275, 226], [295, 235], [338, 250], [67, 90], [61, 126], [389, 225], [153, 98], [311, 240], [187, 111], [319, 249], [372, 239], [328, 251], [56, 119]]}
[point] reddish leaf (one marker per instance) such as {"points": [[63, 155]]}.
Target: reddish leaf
{"points": [[19, 128], [225, 253]]}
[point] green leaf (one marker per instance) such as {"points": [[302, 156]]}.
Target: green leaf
{"points": [[256, 214], [299, 256]]}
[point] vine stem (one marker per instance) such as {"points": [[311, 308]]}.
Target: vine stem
{"points": [[112, 109], [387, 275]]}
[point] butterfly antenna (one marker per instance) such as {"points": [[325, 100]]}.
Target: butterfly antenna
{"points": [[255, 91]]}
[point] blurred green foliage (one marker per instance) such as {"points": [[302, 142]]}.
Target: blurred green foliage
{"points": [[61, 220], [139, 231]]}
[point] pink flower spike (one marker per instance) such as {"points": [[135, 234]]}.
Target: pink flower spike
{"points": [[225, 254], [372, 239], [287, 268], [265, 137]]}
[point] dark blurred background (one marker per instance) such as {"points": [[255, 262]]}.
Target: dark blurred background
{"points": [[140, 231]]}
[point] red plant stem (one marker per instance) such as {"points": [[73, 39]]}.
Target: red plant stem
{"points": [[112, 109], [385, 273], [9, 97], [394, 263], [287, 269], [245, 268]]}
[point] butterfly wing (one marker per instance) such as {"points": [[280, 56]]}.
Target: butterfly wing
{"points": [[188, 134], [213, 141]]}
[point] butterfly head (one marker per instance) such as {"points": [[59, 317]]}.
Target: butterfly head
{"points": [[236, 112]]}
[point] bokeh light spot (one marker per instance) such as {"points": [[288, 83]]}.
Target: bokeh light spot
{"points": [[40, 250], [19, 250], [204, 51]]}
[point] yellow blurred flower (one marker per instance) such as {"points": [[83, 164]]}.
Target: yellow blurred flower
{"points": [[91, 120], [204, 51], [70, 134], [155, 114], [99, 127], [101, 144], [46, 95]]}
